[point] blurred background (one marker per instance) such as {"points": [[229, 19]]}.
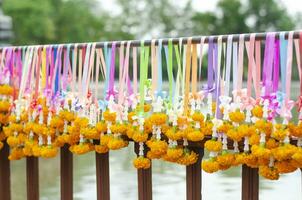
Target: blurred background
{"points": [[25, 22]]}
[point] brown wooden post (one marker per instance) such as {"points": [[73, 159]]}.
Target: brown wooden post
{"points": [[193, 174], [32, 178], [102, 176], [66, 174], [144, 178], [4, 173], [250, 183]]}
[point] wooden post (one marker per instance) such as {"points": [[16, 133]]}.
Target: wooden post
{"points": [[66, 173], [144, 178], [250, 183], [102, 176], [193, 173], [32, 178], [4, 173]]}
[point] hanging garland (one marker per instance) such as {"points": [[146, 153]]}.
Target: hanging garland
{"points": [[50, 96]]}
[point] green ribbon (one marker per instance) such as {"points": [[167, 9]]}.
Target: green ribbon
{"points": [[144, 60]]}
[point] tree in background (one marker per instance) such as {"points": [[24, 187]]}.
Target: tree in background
{"points": [[57, 21]]}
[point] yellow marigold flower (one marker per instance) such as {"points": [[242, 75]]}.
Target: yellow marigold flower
{"points": [[174, 134], [101, 148], [48, 152], [210, 166], [158, 119], [254, 139], [3, 118], [57, 122], [224, 128], [101, 127], [1, 145], [141, 163], [257, 111], [130, 117], [104, 139], [225, 160], [173, 154], [198, 117], [285, 166], [66, 115], [237, 116], [279, 133], [148, 126], [243, 130], [264, 127], [234, 135], [297, 156], [195, 136], [250, 160], [109, 116], [119, 128], [4, 106], [39, 129], [27, 150], [158, 147], [139, 136], [270, 173], [116, 143], [207, 129], [239, 159], [13, 141], [284, 152], [212, 145], [188, 157], [36, 150], [165, 128], [6, 90], [81, 148], [16, 154], [271, 143], [260, 152], [81, 122], [151, 155], [90, 133], [295, 131], [182, 120]]}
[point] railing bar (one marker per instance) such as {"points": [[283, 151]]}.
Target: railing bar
{"points": [[66, 173], [5, 190], [32, 178], [102, 176]]}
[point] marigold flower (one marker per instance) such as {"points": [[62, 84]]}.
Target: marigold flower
{"points": [[254, 139], [212, 145], [284, 152], [6, 90], [16, 154], [257, 111], [81, 148], [13, 141], [101, 127], [139, 136], [116, 143], [207, 129], [109, 116], [195, 136], [237, 116], [297, 156], [260, 152], [4, 106], [158, 119], [198, 117], [173, 154], [101, 148], [119, 128], [224, 128], [271, 143], [264, 127], [188, 157], [270, 173], [90, 133], [49, 151], [174, 134], [141, 163], [157, 147], [225, 160], [234, 135], [285, 166], [210, 166]]}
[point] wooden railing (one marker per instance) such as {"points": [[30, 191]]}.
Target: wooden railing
{"points": [[249, 190]]}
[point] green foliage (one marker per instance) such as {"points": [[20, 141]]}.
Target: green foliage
{"points": [[59, 21]]}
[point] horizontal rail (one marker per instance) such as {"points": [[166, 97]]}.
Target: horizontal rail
{"points": [[164, 41]]}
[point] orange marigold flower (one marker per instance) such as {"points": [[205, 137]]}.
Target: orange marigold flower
{"points": [[270, 173], [257, 111], [210, 166], [237, 116], [195, 136], [141, 163], [212, 145]]}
